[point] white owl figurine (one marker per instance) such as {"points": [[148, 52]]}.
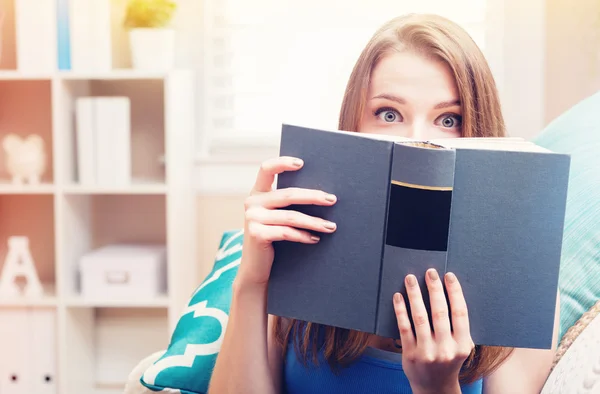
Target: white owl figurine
{"points": [[25, 158]]}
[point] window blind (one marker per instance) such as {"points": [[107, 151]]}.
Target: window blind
{"points": [[273, 61]]}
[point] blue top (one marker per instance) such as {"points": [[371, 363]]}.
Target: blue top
{"points": [[376, 371]]}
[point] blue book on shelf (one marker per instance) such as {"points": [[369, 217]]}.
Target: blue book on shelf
{"points": [[63, 35]]}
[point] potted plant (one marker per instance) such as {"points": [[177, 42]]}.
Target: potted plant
{"points": [[151, 40]]}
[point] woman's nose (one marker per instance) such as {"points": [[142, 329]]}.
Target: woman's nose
{"points": [[417, 131]]}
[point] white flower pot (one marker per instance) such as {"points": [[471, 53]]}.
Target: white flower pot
{"points": [[152, 49]]}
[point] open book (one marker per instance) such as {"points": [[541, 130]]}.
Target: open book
{"points": [[490, 210]]}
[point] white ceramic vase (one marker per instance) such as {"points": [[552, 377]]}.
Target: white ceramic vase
{"points": [[152, 49]]}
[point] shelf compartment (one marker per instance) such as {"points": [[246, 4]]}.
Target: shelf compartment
{"points": [[93, 221], [147, 124], [105, 344], [31, 216], [17, 98]]}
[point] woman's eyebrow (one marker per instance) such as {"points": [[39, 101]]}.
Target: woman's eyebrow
{"points": [[447, 104], [390, 97], [400, 100]]}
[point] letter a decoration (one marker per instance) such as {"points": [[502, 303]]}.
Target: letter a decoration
{"points": [[18, 263]]}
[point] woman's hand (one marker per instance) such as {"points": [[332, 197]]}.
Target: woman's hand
{"points": [[266, 222], [432, 360]]}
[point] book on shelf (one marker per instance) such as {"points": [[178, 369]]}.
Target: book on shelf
{"points": [[35, 25], [490, 210], [90, 35], [103, 131]]}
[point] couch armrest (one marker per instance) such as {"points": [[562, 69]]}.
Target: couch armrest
{"points": [[577, 362], [133, 385]]}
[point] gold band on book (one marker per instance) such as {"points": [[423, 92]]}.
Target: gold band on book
{"points": [[414, 186]]}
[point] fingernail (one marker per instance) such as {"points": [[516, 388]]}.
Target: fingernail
{"points": [[451, 277], [314, 238], [411, 280], [298, 162], [330, 197], [433, 275], [397, 298], [329, 225]]}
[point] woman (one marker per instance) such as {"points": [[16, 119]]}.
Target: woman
{"points": [[422, 77]]}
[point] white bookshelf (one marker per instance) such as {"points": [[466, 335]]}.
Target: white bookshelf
{"points": [[94, 343]]}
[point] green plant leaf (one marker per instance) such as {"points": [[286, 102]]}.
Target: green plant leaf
{"points": [[149, 13]]}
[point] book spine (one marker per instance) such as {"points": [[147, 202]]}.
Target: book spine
{"points": [[100, 34], [80, 22], [383, 243], [63, 42], [85, 141], [417, 226], [35, 26], [113, 141]]}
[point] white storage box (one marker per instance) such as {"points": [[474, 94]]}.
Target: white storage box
{"points": [[124, 271]]}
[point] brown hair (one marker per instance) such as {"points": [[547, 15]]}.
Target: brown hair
{"points": [[437, 38]]}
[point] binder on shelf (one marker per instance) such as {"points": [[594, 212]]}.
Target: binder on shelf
{"points": [[86, 154], [90, 35], [42, 350], [104, 141], [15, 373], [35, 25]]}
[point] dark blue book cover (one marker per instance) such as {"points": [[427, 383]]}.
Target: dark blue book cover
{"points": [[489, 210]]}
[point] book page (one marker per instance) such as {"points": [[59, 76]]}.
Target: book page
{"points": [[506, 144]]}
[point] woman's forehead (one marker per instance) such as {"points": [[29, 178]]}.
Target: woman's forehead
{"points": [[410, 75]]}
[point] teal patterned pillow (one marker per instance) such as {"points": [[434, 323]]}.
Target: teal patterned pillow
{"points": [[577, 132], [187, 364]]}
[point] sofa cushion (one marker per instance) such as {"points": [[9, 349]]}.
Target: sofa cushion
{"points": [[577, 132], [187, 364]]}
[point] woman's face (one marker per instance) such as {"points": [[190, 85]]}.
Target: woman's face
{"points": [[412, 96]]}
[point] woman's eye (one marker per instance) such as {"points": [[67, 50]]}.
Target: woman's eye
{"points": [[450, 121], [388, 115]]}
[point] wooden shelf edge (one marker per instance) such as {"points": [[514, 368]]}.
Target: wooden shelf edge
{"points": [[81, 302], [134, 189], [48, 299], [43, 188]]}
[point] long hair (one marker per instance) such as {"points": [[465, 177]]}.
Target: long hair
{"points": [[440, 39]]}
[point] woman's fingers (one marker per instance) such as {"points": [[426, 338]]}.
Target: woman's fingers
{"points": [[407, 338], [418, 311], [289, 218], [284, 197], [458, 308], [272, 167], [439, 306], [269, 234]]}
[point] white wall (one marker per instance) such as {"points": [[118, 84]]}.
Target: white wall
{"points": [[572, 54]]}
